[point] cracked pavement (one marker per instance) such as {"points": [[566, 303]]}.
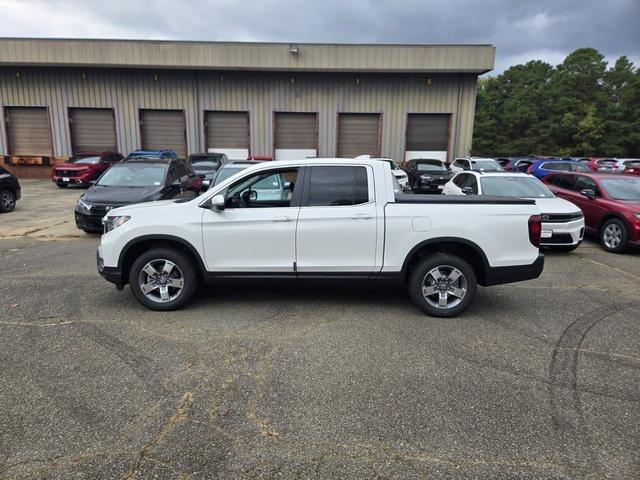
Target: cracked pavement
{"points": [[538, 380]]}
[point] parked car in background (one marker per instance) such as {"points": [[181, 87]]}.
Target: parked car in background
{"points": [[231, 168], [83, 168], [607, 165], [623, 163], [9, 190], [135, 181], [514, 164], [206, 166], [475, 163], [632, 168], [427, 175], [153, 154], [562, 222], [334, 220], [542, 168], [610, 203], [400, 175]]}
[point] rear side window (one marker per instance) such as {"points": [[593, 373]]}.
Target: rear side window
{"points": [[334, 186], [562, 181]]}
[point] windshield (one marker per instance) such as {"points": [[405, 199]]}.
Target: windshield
{"points": [[434, 166], [521, 187], [226, 172], [622, 188], [85, 160], [486, 165], [204, 163], [132, 175]]}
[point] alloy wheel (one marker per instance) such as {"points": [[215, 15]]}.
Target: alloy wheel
{"points": [[161, 281], [444, 287], [7, 201], [612, 236]]}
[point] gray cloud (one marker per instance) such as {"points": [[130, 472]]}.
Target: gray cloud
{"points": [[521, 30]]}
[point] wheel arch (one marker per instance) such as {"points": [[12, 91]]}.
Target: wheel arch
{"points": [[138, 245], [610, 216], [465, 249]]}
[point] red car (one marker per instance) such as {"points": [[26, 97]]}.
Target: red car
{"points": [[83, 168], [601, 164], [610, 203], [632, 168]]}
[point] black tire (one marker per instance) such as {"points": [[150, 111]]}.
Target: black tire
{"points": [[185, 268], [7, 201], [614, 236], [420, 275], [62, 185]]}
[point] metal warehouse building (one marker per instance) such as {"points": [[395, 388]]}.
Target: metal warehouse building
{"points": [[60, 97]]}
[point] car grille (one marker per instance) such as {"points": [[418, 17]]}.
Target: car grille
{"points": [[102, 209], [560, 217], [67, 173]]}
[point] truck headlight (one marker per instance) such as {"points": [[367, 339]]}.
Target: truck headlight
{"points": [[111, 223]]}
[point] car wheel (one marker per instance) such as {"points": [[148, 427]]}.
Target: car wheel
{"points": [[442, 285], [614, 236], [163, 279], [7, 201]]}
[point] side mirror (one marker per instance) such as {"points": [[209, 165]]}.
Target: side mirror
{"points": [[467, 190], [249, 196], [589, 193], [218, 202]]}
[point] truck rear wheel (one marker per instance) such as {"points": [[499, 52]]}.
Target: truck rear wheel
{"points": [[442, 285], [163, 279]]}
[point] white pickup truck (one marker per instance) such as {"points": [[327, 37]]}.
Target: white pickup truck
{"points": [[333, 219]]}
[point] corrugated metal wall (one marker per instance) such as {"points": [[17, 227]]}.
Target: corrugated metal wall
{"points": [[259, 93]]}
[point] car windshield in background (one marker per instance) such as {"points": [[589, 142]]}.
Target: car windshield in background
{"points": [[486, 165], [520, 187], [225, 173], [204, 163], [434, 166], [85, 160], [133, 175], [622, 188]]}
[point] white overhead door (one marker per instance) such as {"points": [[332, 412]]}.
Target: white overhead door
{"points": [[228, 133], [93, 130], [163, 129], [427, 136], [358, 134], [296, 135], [28, 131]]}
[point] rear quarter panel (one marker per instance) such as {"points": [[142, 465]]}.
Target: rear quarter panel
{"points": [[501, 231]]}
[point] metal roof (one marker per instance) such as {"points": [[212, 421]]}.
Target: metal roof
{"points": [[194, 55]]}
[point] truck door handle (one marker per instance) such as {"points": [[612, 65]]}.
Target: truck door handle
{"points": [[282, 219], [361, 216]]}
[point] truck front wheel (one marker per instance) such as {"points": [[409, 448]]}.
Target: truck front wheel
{"points": [[163, 279], [442, 285]]}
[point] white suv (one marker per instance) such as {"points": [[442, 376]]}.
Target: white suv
{"points": [[562, 221]]}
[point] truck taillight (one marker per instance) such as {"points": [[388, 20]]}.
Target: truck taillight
{"points": [[535, 230]]}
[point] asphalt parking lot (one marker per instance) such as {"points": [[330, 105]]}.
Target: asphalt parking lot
{"points": [[537, 380]]}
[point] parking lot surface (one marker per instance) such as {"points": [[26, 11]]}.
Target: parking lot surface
{"points": [[536, 380]]}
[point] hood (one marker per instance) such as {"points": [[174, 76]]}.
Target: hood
{"points": [[556, 205], [437, 175], [120, 195]]}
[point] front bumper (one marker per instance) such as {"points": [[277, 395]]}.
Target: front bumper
{"points": [[71, 180], [517, 273], [563, 234], [110, 274], [86, 221]]}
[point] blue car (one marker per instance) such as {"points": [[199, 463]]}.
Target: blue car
{"points": [[153, 154], [542, 168]]}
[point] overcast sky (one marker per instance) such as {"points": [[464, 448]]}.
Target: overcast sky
{"points": [[520, 29]]}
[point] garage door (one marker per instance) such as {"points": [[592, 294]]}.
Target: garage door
{"points": [[93, 130], [427, 136], [28, 131], [296, 135], [228, 133], [163, 129], [358, 134]]}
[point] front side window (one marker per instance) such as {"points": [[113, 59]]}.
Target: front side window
{"points": [[335, 186], [578, 167], [562, 181], [263, 189], [586, 183], [459, 180]]}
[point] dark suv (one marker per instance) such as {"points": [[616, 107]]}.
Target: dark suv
{"points": [[206, 165], [427, 175], [135, 181], [9, 191]]}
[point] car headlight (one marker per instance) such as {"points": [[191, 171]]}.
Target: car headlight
{"points": [[82, 205], [637, 215], [426, 178], [111, 223]]}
